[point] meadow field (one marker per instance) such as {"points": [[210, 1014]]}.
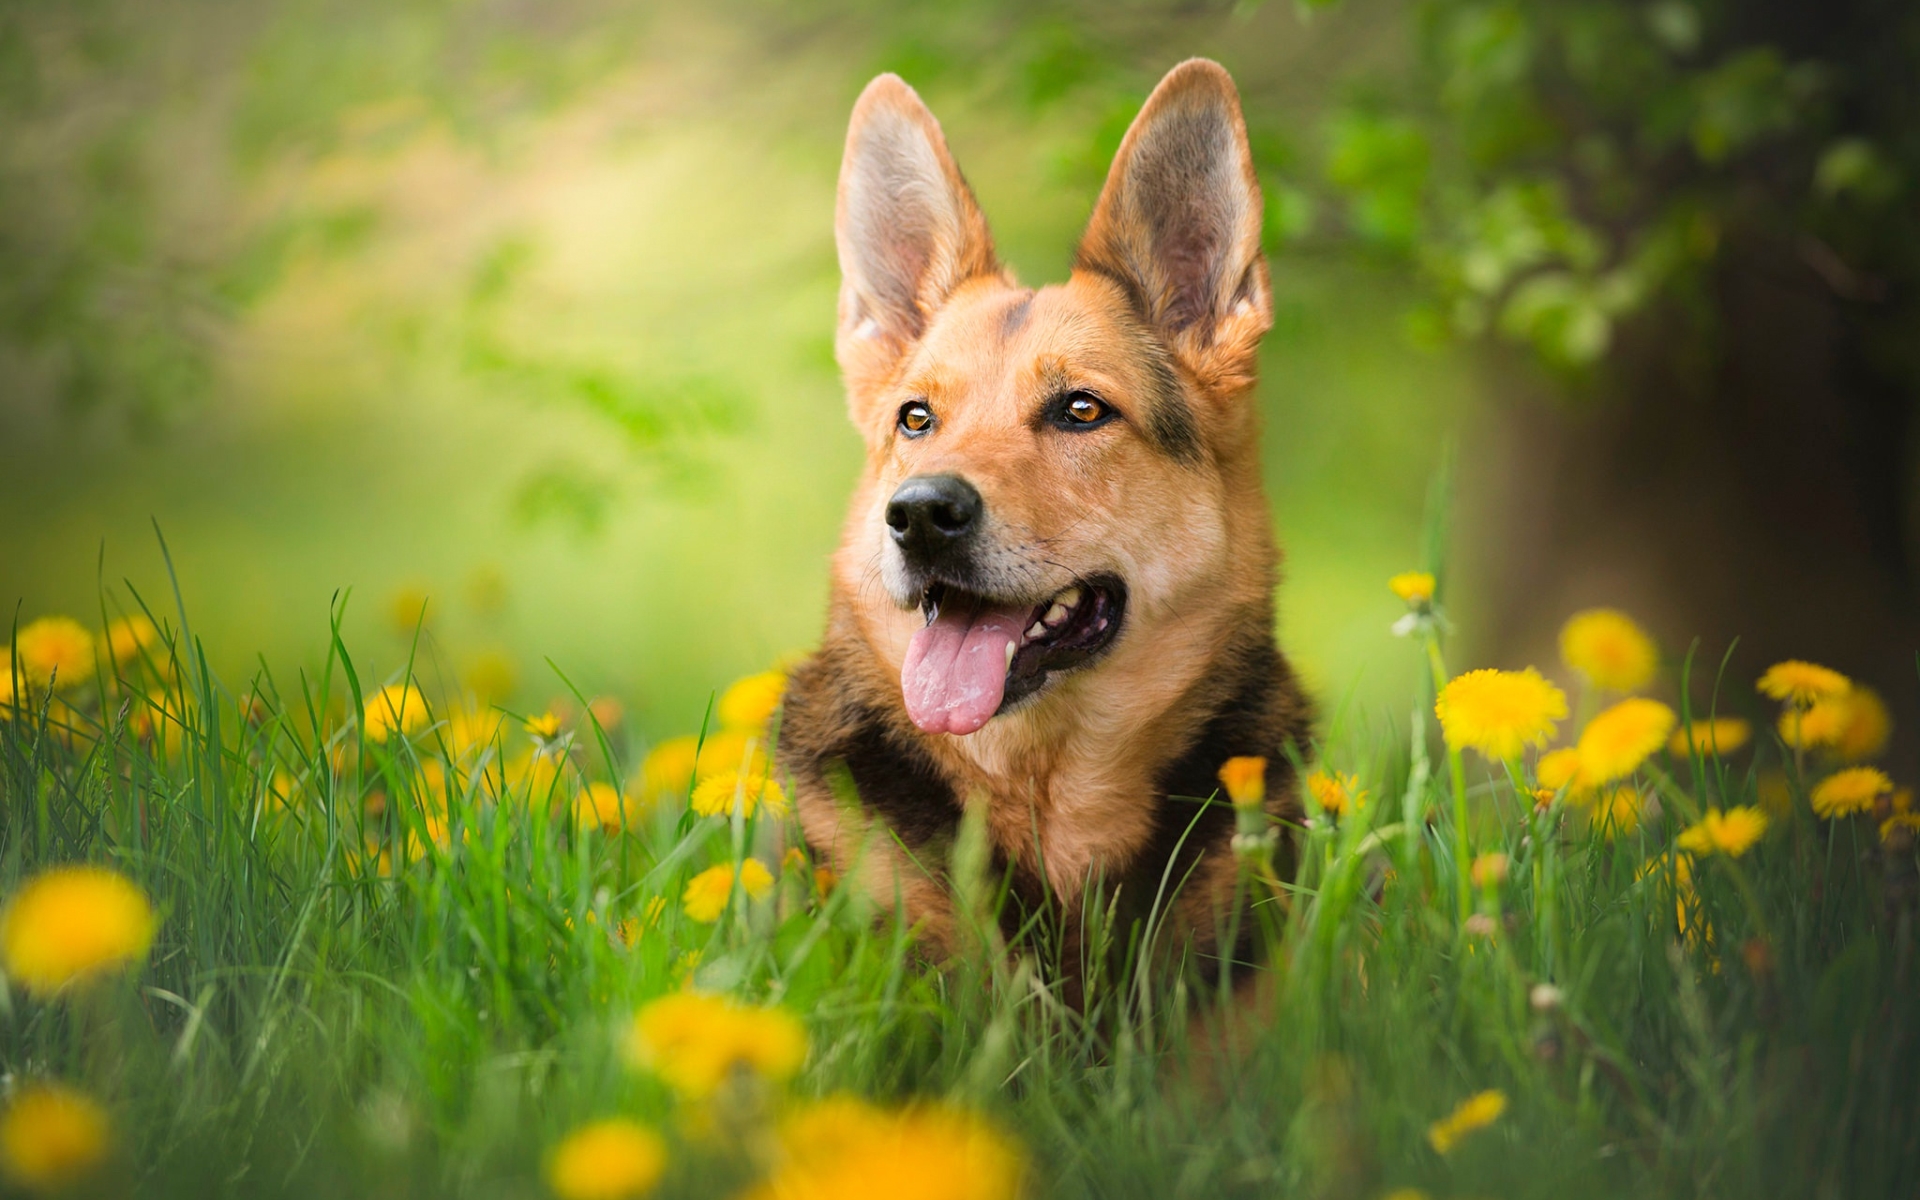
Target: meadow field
{"points": [[421, 446], [346, 934]]}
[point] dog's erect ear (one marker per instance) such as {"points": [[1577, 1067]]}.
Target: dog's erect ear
{"points": [[907, 225], [1178, 225]]}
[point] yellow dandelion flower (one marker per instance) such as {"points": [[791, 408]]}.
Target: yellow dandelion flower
{"points": [[1474, 1113], [1614, 811], [51, 1137], [697, 1042], [707, 893], [1850, 791], [470, 729], [1499, 713], [602, 806], [1414, 587], [6, 684], [1245, 779], [1731, 833], [668, 768], [841, 1148], [1908, 821], [1678, 867], [397, 708], [129, 637], [407, 609], [491, 676], [1819, 724], [795, 859], [1489, 870], [1560, 769], [1609, 649], [1717, 736], [543, 728], [1801, 683], [607, 712], [718, 795], [1868, 725], [1336, 793], [55, 650], [281, 793], [1776, 795], [438, 830], [72, 923], [614, 1159], [1618, 740], [730, 750], [1900, 816], [749, 703]]}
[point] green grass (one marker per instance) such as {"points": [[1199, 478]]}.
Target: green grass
{"points": [[313, 1023]]}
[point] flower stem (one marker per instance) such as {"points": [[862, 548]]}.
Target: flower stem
{"points": [[1749, 897], [1665, 785], [1435, 662], [1462, 860]]}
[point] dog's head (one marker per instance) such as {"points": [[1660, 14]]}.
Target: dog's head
{"points": [[1055, 479]]}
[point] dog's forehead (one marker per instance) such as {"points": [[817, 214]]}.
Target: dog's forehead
{"points": [[993, 329], [996, 348]]}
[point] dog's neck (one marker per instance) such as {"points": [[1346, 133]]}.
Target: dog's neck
{"points": [[1065, 776], [1068, 778]]}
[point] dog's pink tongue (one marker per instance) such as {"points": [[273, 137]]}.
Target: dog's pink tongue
{"points": [[956, 668]]}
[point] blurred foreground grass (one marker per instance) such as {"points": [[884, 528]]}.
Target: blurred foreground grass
{"points": [[403, 937]]}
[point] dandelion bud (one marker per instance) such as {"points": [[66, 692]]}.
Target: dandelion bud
{"points": [[606, 1160], [51, 1137], [1414, 587], [1245, 779], [1489, 870]]}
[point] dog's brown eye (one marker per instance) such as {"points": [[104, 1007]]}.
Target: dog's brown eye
{"points": [[915, 418], [1080, 411], [1085, 409]]}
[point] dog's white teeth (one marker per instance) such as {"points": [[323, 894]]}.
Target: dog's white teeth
{"points": [[1055, 615], [1068, 599], [1009, 654], [1100, 625], [1037, 629]]}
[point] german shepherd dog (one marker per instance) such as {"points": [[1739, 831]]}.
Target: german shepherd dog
{"points": [[1053, 599]]}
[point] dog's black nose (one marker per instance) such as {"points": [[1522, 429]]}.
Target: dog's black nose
{"points": [[932, 512]]}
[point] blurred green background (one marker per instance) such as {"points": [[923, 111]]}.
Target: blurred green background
{"points": [[527, 309]]}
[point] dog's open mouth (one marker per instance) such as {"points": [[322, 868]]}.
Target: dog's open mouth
{"points": [[978, 655]]}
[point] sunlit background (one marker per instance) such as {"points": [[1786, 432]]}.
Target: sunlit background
{"points": [[525, 310]]}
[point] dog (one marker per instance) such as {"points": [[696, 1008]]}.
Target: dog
{"points": [[1052, 603]]}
